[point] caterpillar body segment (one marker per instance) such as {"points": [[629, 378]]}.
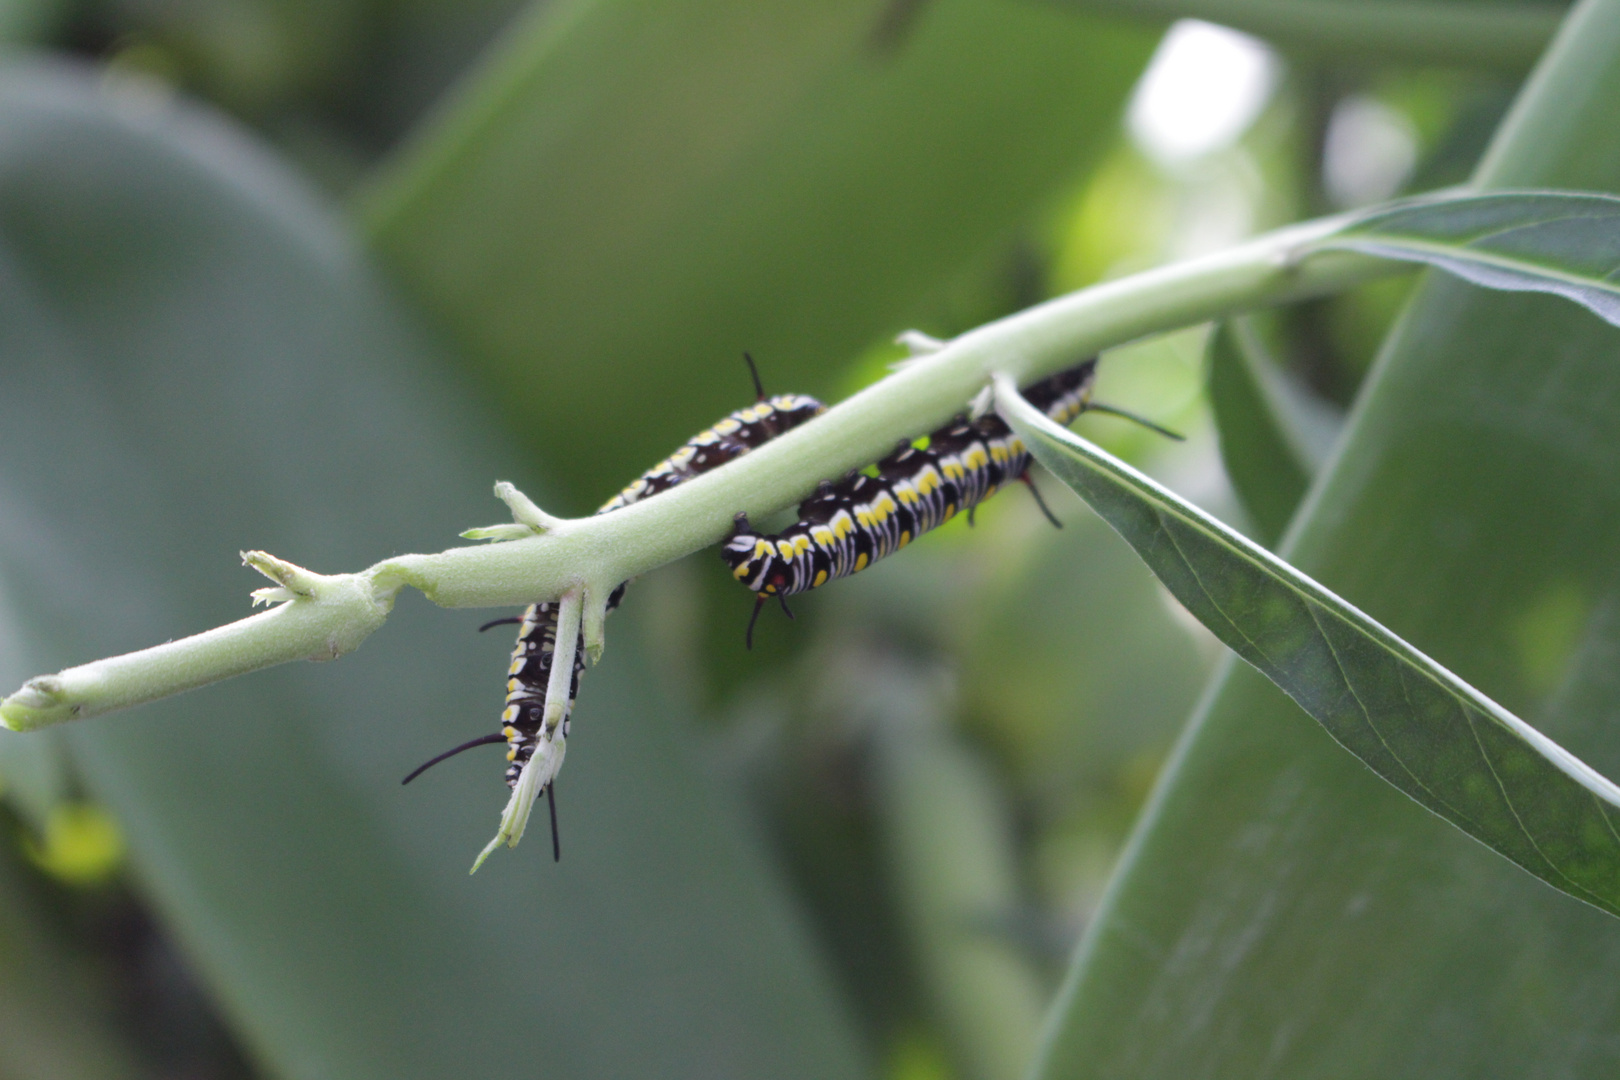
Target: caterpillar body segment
{"points": [[523, 725], [742, 431], [530, 670], [847, 526], [527, 676]]}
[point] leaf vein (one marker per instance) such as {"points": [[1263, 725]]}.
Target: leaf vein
{"points": [[1366, 713], [1514, 810], [1193, 570]]}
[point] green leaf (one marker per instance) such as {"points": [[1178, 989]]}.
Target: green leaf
{"points": [[195, 359], [1414, 723], [1283, 912], [34, 776], [53, 1021], [1267, 466], [29, 22], [1565, 243], [954, 879], [628, 195]]}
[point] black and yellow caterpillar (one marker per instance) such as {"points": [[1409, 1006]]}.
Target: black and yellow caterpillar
{"points": [[843, 528], [849, 525], [530, 669]]}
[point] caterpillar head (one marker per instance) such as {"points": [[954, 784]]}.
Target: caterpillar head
{"points": [[1065, 395], [794, 409], [753, 558]]}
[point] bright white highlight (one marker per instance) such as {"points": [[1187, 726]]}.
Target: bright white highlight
{"points": [[1203, 88], [1370, 150]]}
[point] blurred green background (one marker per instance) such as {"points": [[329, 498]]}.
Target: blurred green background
{"points": [[309, 276]]}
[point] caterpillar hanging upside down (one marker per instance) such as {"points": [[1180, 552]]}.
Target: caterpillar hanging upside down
{"points": [[844, 528], [849, 525], [523, 726]]}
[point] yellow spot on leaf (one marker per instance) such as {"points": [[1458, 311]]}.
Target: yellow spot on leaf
{"points": [[1547, 633], [81, 845]]}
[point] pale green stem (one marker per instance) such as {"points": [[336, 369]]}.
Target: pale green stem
{"points": [[561, 684], [322, 617], [1507, 36]]}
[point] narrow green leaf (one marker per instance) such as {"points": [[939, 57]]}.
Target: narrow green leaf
{"points": [[1414, 723], [1280, 910], [1560, 242], [1267, 468]]}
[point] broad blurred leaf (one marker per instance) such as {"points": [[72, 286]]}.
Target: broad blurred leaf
{"points": [[33, 772], [1410, 720], [1283, 912], [1555, 242], [54, 1025], [259, 57], [1071, 664], [195, 361], [1072, 657], [1074, 674], [1267, 467], [30, 21], [951, 857], [628, 195], [426, 46]]}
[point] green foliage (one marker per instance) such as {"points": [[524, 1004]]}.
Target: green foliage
{"points": [[1281, 909], [948, 837], [191, 338], [1410, 720], [629, 196], [44, 982], [1268, 467], [1552, 242], [869, 847]]}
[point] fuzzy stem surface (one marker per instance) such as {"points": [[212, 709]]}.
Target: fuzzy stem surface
{"points": [[539, 558]]}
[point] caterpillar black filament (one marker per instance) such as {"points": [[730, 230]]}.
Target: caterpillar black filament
{"points": [[522, 718], [846, 526]]}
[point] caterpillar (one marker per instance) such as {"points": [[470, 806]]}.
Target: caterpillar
{"points": [[847, 526], [530, 668]]}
